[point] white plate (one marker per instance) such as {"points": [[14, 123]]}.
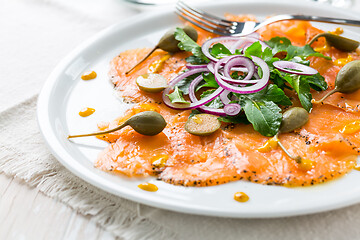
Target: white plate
{"points": [[64, 94]]}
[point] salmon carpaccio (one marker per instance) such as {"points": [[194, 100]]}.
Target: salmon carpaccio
{"points": [[178, 157]]}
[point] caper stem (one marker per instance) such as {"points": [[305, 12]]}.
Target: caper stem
{"points": [[297, 158], [324, 97], [142, 60], [100, 133], [316, 37]]}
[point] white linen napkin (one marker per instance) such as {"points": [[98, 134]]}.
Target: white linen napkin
{"points": [[23, 154]]}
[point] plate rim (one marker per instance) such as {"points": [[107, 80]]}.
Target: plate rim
{"points": [[52, 143]]}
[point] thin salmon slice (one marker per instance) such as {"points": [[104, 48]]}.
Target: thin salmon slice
{"points": [[179, 158]]}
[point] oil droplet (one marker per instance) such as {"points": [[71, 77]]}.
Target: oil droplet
{"points": [[241, 197], [85, 112], [157, 65], [306, 164], [160, 161], [338, 31], [351, 128], [269, 145], [357, 167], [325, 47], [342, 61], [88, 75], [197, 119], [148, 187]]}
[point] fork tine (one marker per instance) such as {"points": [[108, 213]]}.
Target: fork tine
{"points": [[205, 13], [200, 25], [199, 19], [205, 16]]}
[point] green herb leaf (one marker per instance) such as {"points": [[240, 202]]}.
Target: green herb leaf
{"points": [[195, 60], [187, 44], [209, 80], [254, 50], [265, 116], [216, 103], [271, 93], [302, 88], [316, 82], [218, 50], [240, 118], [177, 96], [184, 84], [280, 44]]}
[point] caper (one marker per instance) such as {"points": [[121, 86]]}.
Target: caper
{"points": [[168, 43], [147, 123], [293, 118], [151, 82], [338, 42], [202, 124], [347, 80]]}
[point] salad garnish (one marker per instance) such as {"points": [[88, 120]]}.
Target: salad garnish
{"points": [[236, 77]]}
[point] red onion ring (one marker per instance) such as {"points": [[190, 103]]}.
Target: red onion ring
{"points": [[242, 61], [261, 84], [203, 108], [243, 42], [286, 66], [228, 78], [177, 79], [206, 45], [232, 109], [193, 66], [224, 97]]}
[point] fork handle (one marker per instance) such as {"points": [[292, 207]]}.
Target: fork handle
{"points": [[309, 18]]}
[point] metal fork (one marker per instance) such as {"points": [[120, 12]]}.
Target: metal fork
{"points": [[221, 26]]}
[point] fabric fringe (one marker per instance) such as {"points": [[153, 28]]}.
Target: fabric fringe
{"points": [[24, 155]]}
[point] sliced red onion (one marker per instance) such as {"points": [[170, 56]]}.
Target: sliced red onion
{"points": [[193, 98], [228, 78], [207, 45], [240, 61], [289, 67], [232, 109], [224, 97], [192, 66], [177, 79], [245, 42], [261, 84]]}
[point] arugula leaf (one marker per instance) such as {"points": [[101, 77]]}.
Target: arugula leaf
{"points": [[278, 78], [301, 84], [241, 118], [187, 44], [218, 50], [209, 80], [316, 82], [254, 50], [216, 103], [302, 88], [265, 116], [272, 93], [177, 96], [280, 44], [184, 84], [195, 60]]}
